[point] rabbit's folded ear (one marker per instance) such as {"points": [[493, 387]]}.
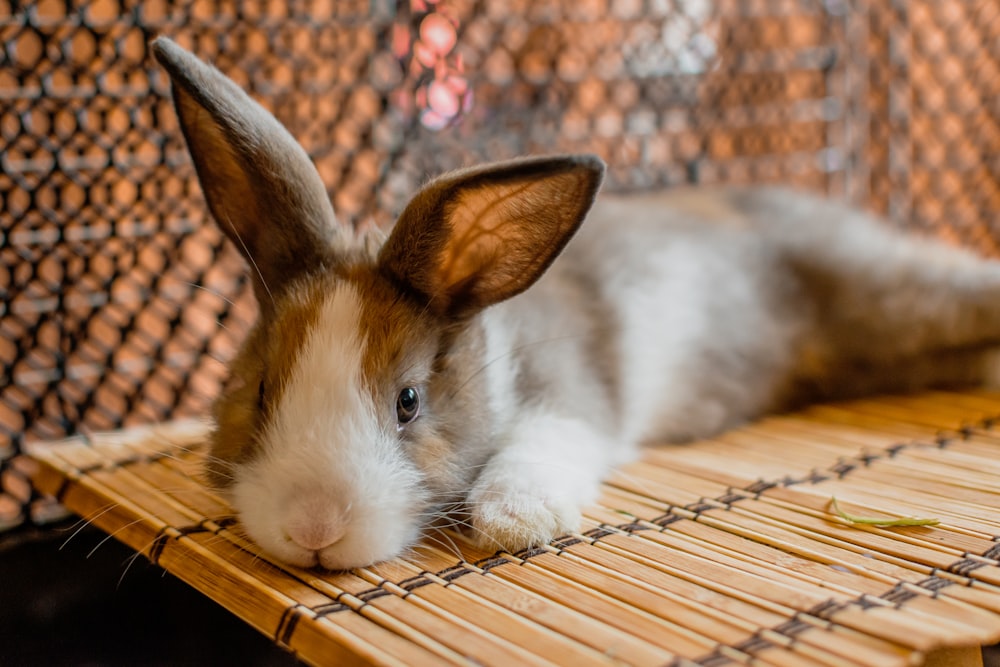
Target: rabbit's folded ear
{"points": [[476, 237], [260, 185]]}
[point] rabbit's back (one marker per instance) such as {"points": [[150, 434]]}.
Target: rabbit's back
{"points": [[672, 315]]}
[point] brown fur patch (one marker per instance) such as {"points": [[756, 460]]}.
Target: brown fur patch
{"points": [[267, 356], [717, 210], [395, 329]]}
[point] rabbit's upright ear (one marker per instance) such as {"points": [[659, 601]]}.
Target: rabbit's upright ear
{"points": [[260, 185], [476, 237]]}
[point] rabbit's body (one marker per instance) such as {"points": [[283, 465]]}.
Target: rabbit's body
{"points": [[696, 309], [672, 316], [457, 368], [672, 306]]}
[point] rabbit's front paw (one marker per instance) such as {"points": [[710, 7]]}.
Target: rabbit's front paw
{"points": [[535, 488], [513, 515]]}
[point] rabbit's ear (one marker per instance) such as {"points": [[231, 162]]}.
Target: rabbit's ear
{"points": [[476, 237], [260, 185]]}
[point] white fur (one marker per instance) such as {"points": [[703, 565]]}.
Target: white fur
{"points": [[330, 474], [499, 363], [668, 353], [536, 485]]}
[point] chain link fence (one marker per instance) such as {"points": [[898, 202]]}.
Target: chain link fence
{"points": [[122, 304]]}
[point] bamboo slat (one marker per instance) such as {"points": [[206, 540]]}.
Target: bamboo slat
{"points": [[722, 551]]}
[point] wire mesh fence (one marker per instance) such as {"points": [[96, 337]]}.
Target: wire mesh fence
{"points": [[121, 303]]}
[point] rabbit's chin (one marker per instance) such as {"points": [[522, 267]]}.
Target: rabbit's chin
{"points": [[321, 528], [361, 547]]}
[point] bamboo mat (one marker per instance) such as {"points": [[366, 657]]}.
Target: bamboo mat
{"points": [[723, 551]]}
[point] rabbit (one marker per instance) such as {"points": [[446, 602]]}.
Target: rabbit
{"points": [[491, 358]]}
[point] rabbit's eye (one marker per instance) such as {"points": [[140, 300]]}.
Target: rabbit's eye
{"points": [[407, 405]]}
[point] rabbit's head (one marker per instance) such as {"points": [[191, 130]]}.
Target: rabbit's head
{"points": [[356, 410]]}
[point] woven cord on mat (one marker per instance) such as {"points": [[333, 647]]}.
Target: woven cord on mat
{"points": [[721, 551]]}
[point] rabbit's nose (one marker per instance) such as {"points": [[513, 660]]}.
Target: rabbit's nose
{"points": [[315, 525], [315, 533]]}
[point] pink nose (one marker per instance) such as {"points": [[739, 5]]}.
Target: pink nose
{"points": [[316, 532]]}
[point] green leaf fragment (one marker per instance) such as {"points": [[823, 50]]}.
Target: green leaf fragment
{"points": [[878, 521]]}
